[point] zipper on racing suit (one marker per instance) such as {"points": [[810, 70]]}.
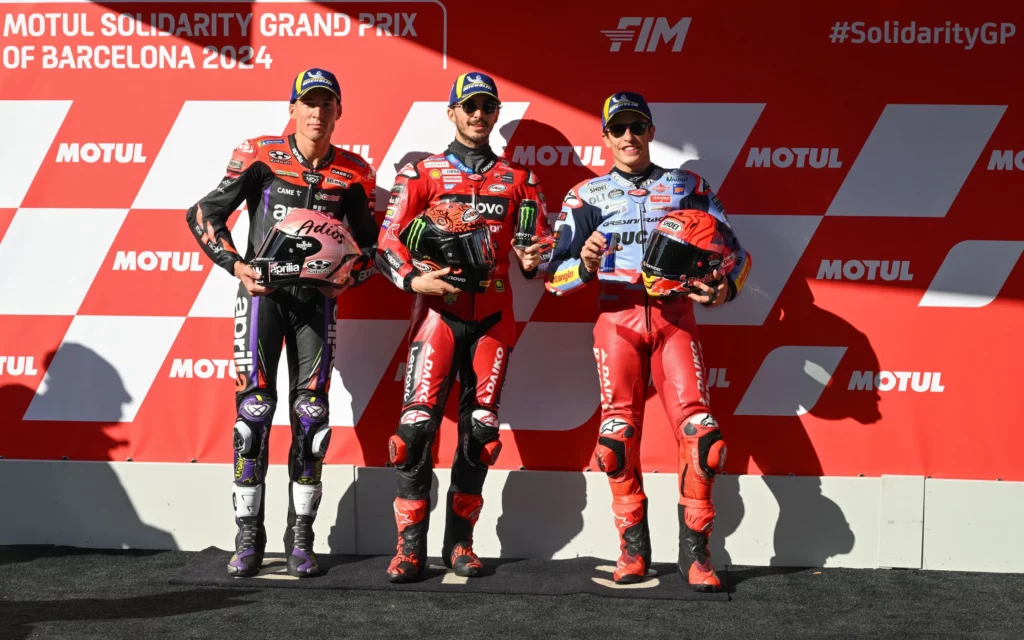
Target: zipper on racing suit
{"points": [[643, 247], [472, 294]]}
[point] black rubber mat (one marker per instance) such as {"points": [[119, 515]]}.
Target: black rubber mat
{"points": [[528, 577]]}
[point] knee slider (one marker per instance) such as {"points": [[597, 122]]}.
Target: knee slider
{"points": [[702, 430], [312, 412], [411, 440], [480, 444], [611, 455]]}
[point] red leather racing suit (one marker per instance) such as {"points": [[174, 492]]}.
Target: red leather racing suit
{"points": [[471, 336], [637, 337]]}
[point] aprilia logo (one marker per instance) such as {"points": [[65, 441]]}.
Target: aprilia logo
{"points": [[243, 357], [653, 32]]}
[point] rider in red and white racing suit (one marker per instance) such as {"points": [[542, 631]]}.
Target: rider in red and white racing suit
{"points": [[638, 336], [456, 332]]}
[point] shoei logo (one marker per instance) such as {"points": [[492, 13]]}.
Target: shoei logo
{"points": [[672, 225], [412, 241], [318, 266], [653, 32]]}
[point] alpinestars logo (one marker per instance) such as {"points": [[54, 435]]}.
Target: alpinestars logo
{"points": [[653, 31]]}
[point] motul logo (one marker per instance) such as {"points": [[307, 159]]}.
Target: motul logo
{"points": [[157, 261], [864, 269], [562, 155], [653, 32], [18, 366], [919, 381], [361, 149], [105, 152], [783, 157], [1006, 160], [203, 368]]}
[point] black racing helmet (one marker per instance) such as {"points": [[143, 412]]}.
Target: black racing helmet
{"points": [[452, 234]]}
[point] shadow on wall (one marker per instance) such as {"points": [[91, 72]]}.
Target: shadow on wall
{"points": [[541, 513], [811, 528], [53, 495]]}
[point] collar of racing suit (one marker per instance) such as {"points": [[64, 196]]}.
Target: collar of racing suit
{"points": [[636, 178], [326, 160], [476, 159]]}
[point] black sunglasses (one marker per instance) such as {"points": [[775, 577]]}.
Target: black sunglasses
{"points": [[470, 106], [637, 128]]}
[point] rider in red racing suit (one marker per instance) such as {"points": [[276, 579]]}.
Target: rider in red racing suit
{"points": [[637, 336], [453, 332]]}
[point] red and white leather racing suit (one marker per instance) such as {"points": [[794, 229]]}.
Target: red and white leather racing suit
{"points": [[638, 338]]}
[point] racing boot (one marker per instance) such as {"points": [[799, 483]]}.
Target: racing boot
{"points": [[694, 556], [305, 499], [412, 518], [251, 539], [634, 541], [457, 553]]}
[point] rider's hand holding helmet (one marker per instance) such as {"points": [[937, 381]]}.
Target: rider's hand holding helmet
{"points": [[455, 236], [307, 249]]}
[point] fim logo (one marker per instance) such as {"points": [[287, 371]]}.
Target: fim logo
{"points": [[653, 32]]}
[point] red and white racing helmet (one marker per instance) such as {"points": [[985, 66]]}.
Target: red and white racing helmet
{"points": [[307, 248], [687, 247]]}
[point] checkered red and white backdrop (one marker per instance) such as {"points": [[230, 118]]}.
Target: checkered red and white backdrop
{"points": [[871, 158]]}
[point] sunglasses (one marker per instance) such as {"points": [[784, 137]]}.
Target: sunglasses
{"points": [[470, 106], [637, 128]]}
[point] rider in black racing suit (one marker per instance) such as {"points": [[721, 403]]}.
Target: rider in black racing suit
{"points": [[273, 176]]}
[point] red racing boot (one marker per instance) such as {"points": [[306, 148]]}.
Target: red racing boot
{"points": [[412, 518], [695, 520], [634, 540], [463, 512]]}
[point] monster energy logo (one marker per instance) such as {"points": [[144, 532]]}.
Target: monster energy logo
{"points": [[416, 228], [527, 216], [527, 224]]}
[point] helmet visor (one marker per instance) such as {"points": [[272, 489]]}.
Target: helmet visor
{"points": [[468, 249], [673, 259]]}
